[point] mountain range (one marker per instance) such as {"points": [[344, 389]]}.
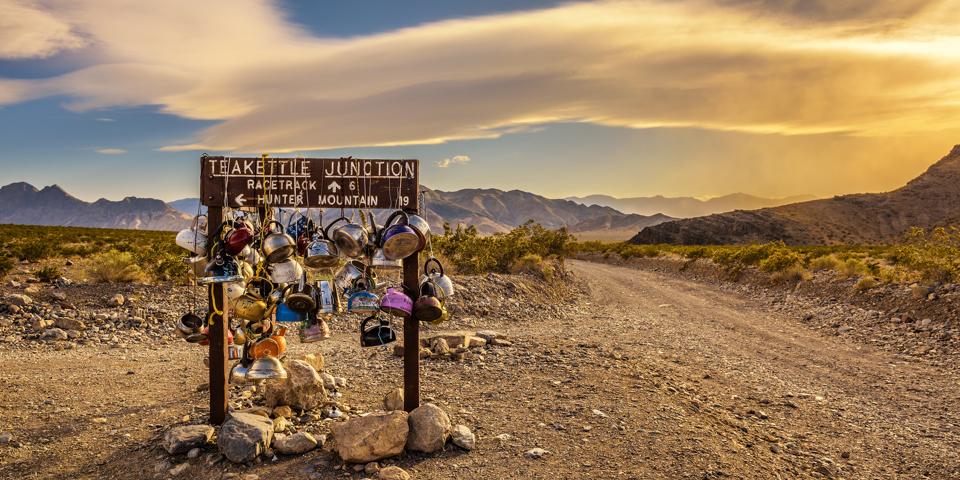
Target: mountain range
{"points": [[928, 201], [21, 203], [686, 207]]}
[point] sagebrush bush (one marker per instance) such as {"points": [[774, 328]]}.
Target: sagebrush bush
{"points": [[826, 262], [114, 267], [780, 260], [48, 274], [6, 266], [865, 283], [853, 267], [936, 255], [791, 275], [471, 253], [34, 250]]}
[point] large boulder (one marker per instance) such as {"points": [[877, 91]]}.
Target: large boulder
{"points": [[430, 428], [54, 334], [244, 437], [314, 359], [68, 323], [302, 389], [453, 339], [18, 300], [295, 444], [371, 438], [183, 439]]}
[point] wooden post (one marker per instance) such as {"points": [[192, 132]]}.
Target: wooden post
{"points": [[411, 338], [219, 389]]}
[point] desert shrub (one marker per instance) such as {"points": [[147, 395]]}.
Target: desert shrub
{"points": [[82, 251], [694, 253], [471, 253], [114, 267], [827, 262], [48, 274], [865, 283], [780, 260], [6, 266], [528, 262], [33, 250], [723, 256], [791, 275], [935, 255], [853, 267]]}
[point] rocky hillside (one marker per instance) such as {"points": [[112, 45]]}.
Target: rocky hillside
{"points": [[22, 203], [685, 207], [930, 200], [615, 227]]}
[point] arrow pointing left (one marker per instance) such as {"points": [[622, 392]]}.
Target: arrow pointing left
{"points": [[240, 200]]}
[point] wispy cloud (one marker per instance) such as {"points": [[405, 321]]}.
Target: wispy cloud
{"points": [[457, 159], [112, 151], [105, 119], [865, 67]]}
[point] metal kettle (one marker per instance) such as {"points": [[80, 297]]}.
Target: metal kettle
{"points": [[376, 335], [321, 252], [350, 238], [399, 240], [442, 281]]}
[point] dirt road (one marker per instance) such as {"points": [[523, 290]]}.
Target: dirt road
{"points": [[647, 375]]}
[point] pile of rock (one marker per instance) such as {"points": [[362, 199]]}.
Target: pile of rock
{"points": [[458, 345]]}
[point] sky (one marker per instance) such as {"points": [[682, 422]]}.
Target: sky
{"points": [[116, 98]]}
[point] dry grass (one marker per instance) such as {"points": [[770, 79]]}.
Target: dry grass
{"points": [[791, 275], [866, 283]]}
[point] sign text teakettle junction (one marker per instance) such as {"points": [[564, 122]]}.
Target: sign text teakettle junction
{"points": [[308, 182]]}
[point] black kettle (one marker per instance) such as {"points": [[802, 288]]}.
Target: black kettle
{"points": [[376, 335]]}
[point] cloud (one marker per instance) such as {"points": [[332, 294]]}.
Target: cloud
{"points": [[862, 68], [112, 151], [457, 159], [105, 120], [29, 32]]}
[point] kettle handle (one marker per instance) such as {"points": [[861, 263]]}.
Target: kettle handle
{"points": [[326, 231], [434, 260], [363, 324], [376, 231], [196, 220]]}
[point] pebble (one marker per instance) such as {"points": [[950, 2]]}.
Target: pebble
{"points": [[194, 453], [535, 453]]}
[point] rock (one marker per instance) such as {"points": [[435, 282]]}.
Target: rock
{"points": [[182, 439], [54, 334], [340, 381], [826, 470], [371, 468], [464, 438], [12, 283], [371, 438], [453, 339], [68, 323], [425, 352], [327, 380], [393, 473], [477, 342], [5, 437], [280, 424], [295, 444], [398, 350], [535, 453], [499, 342], [58, 296], [31, 290], [845, 328], [393, 400], [283, 411], [116, 301], [489, 335], [429, 428], [244, 437], [18, 300], [314, 359], [193, 453], [175, 471], [439, 346], [302, 389]]}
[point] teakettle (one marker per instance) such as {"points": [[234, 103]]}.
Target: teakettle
{"points": [[322, 252], [350, 238], [197, 264], [195, 237], [222, 269], [442, 281], [301, 298], [347, 273], [396, 302], [428, 308], [286, 271], [400, 240], [329, 297], [250, 306], [376, 335], [277, 246], [266, 367], [363, 300], [283, 314], [236, 239], [420, 225]]}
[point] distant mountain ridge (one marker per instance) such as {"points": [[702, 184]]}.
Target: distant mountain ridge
{"points": [[686, 207], [928, 201], [21, 203]]}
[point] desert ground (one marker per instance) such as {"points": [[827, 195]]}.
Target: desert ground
{"points": [[619, 372]]}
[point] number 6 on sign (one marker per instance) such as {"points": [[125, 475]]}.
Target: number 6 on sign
{"points": [[353, 185]]}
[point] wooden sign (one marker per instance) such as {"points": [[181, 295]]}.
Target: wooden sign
{"points": [[309, 182]]}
